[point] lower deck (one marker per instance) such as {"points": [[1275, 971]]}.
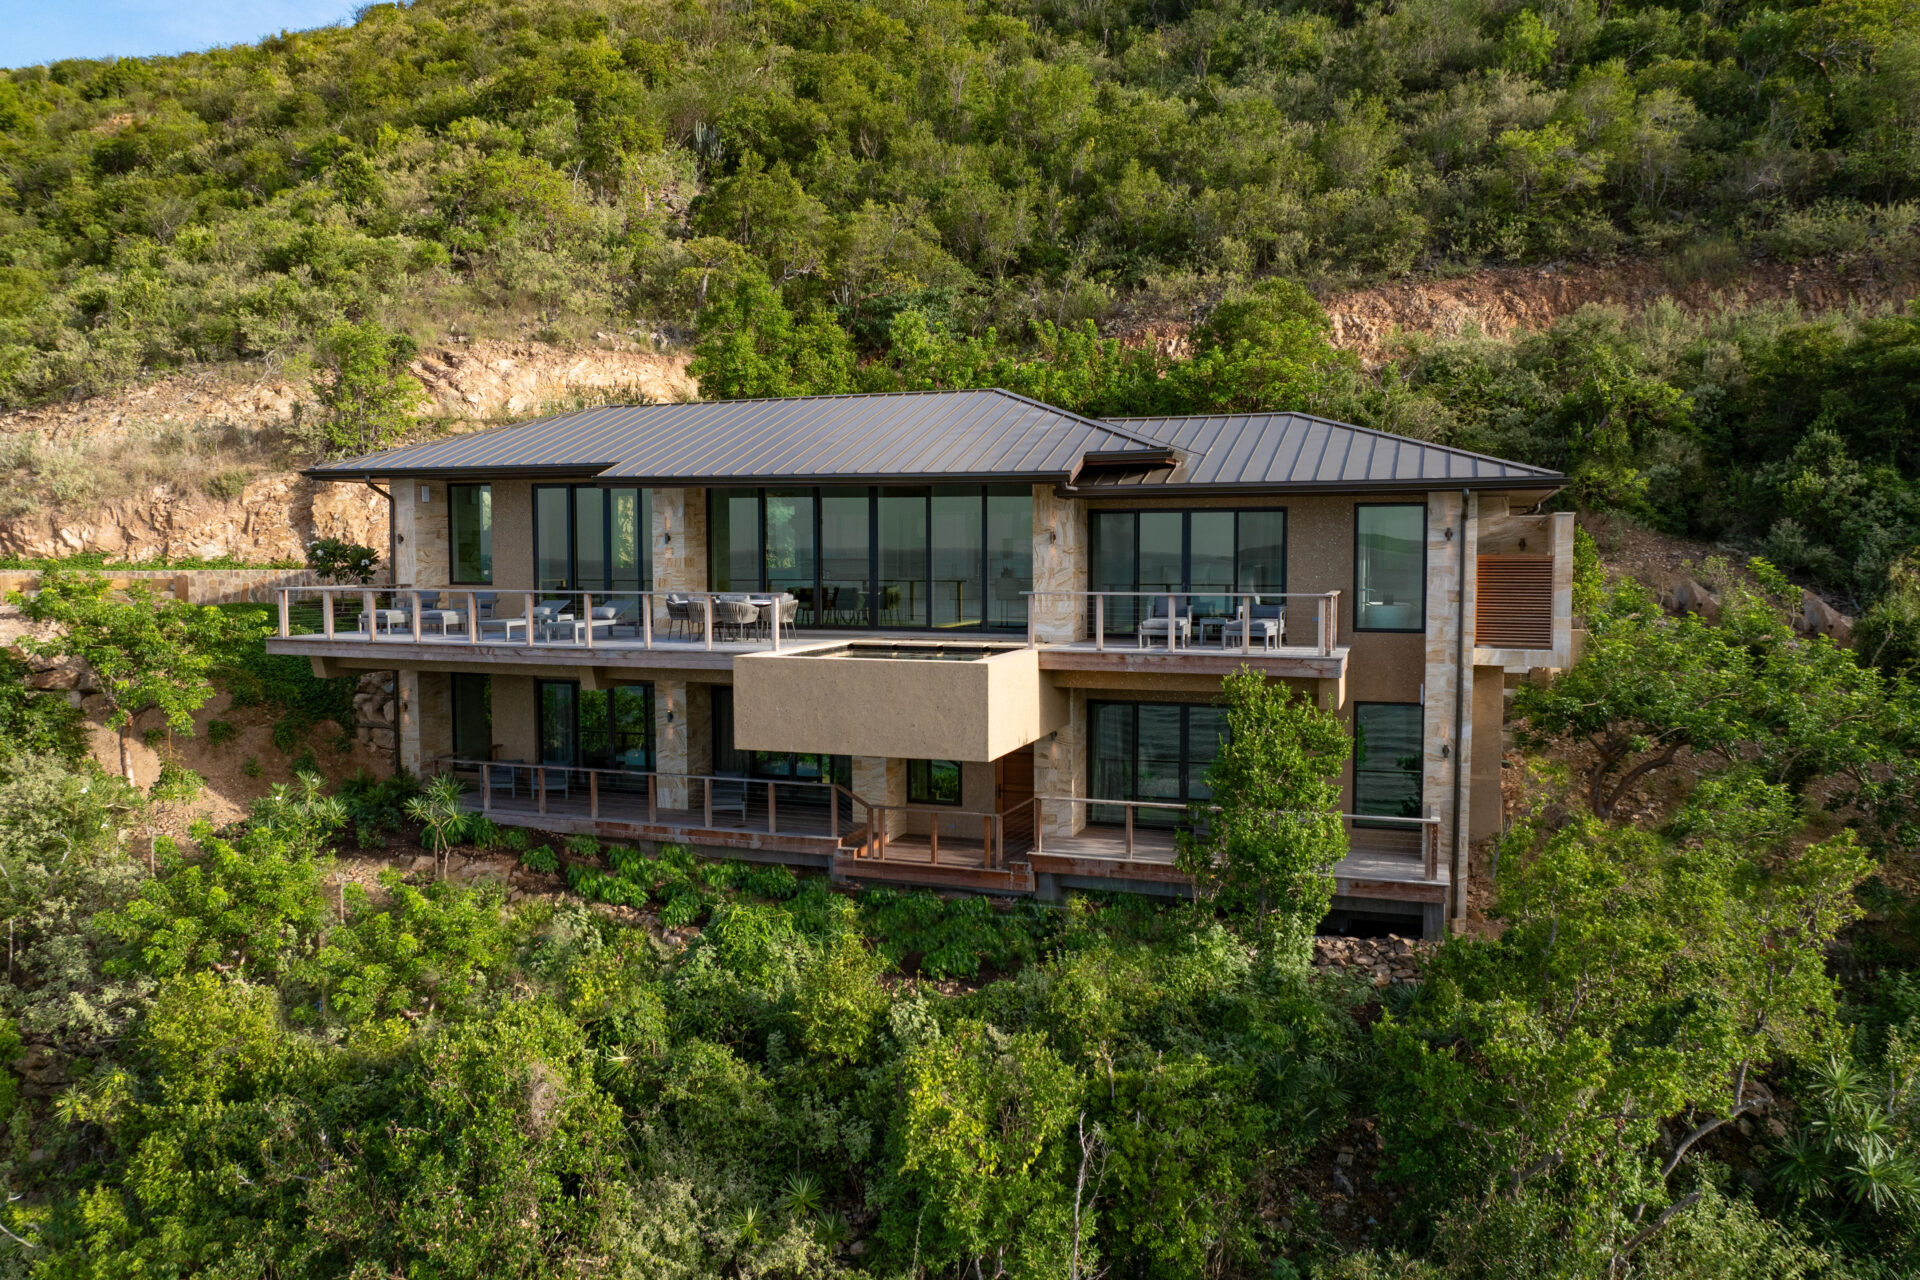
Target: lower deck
{"points": [[1385, 872]]}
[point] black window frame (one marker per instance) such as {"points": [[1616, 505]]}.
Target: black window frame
{"points": [[872, 610], [1419, 774], [920, 783], [1186, 541], [644, 534], [1425, 518], [1187, 773], [453, 538]]}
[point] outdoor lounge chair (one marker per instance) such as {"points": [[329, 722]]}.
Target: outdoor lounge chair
{"points": [[1158, 622], [1267, 625], [433, 614], [728, 795]]}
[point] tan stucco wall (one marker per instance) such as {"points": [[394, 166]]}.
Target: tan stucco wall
{"points": [[977, 710]]}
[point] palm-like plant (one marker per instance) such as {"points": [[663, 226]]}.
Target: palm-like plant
{"points": [[802, 1195], [441, 816]]}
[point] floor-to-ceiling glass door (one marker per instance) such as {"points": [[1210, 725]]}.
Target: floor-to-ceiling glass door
{"points": [[1151, 751], [1198, 557]]}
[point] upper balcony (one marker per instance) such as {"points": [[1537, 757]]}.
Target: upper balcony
{"points": [[1290, 635]]}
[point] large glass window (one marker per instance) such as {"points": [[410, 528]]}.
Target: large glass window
{"points": [[903, 557], [1386, 759], [586, 538], [733, 539], [1390, 567], [1155, 751], [951, 556], [616, 727], [553, 538], [845, 565], [959, 542], [1009, 554], [472, 716], [933, 781], [1203, 554], [470, 531], [559, 722], [791, 563]]}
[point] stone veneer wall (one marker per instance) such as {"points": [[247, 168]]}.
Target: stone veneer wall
{"points": [[426, 719], [1060, 769], [1449, 616], [420, 552], [1059, 564]]}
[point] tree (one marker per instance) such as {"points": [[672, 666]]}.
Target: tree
{"points": [[1642, 983], [1267, 842], [750, 346], [338, 560], [147, 654], [365, 387]]}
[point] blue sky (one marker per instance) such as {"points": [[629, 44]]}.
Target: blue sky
{"points": [[35, 31]]}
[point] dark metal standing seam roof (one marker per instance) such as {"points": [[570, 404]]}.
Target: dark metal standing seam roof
{"points": [[1299, 451], [933, 435]]}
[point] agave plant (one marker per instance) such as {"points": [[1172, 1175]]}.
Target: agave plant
{"points": [[802, 1195]]}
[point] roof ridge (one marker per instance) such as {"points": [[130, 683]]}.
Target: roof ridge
{"points": [[1347, 426]]}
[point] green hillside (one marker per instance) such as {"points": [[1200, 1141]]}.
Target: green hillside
{"points": [[472, 165]]}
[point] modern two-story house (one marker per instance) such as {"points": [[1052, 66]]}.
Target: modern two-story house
{"points": [[955, 639]]}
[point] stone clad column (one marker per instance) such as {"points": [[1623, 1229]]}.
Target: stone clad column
{"points": [[425, 718], [671, 742], [878, 780], [1449, 676], [1060, 769], [679, 544], [1059, 564]]}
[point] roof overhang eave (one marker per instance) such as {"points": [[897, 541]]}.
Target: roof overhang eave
{"points": [[1543, 484]]}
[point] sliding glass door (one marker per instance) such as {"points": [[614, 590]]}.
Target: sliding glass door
{"points": [[1154, 751], [1201, 555], [944, 557], [596, 728], [586, 538]]}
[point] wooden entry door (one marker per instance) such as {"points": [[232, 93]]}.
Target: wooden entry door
{"points": [[1012, 788]]}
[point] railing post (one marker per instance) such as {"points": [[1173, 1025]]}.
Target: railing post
{"points": [[707, 609], [1432, 845], [986, 841], [653, 798], [773, 615], [416, 617], [326, 613], [593, 794], [646, 619], [473, 617], [586, 614], [366, 615], [529, 604], [1033, 630], [1246, 625], [543, 788], [706, 794], [1129, 826], [286, 628], [833, 813], [1100, 622], [933, 841], [1173, 623], [771, 826], [486, 790]]}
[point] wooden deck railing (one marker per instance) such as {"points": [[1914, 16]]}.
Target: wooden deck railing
{"points": [[993, 827], [541, 619], [547, 782], [1427, 828]]}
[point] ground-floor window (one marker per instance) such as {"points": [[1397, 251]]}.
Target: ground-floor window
{"points": [[472, 699], [933, 781], [775, 766], [1150, 751], [596, 728], [1386, 759]]}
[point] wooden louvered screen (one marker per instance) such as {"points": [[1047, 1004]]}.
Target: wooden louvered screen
{"points": [[1514, 602]]}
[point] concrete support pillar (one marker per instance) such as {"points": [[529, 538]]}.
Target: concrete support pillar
{"points": [[881, 780], [1060, 769]]}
